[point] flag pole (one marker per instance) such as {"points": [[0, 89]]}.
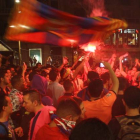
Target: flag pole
{"points": [[19, 48]]}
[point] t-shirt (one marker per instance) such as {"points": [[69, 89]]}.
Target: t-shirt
{"points": [[10, 130], [55, 90], [50, 133], [44, 117], [83, 94], [100, 108], [118, 107]]}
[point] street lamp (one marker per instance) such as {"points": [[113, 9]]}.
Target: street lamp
{"points": [[17, 1]]}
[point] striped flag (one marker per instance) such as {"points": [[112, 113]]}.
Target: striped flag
{"points": [[40, 23]]}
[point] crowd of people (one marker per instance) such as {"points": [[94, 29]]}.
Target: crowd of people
{"points": [[80, 102]]}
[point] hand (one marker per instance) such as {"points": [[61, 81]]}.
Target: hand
{"points": [[107, 65], [126, 54], [65, 60], [19, 131]]}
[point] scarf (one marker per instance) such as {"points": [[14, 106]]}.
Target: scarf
{"points": [[64, 125]]}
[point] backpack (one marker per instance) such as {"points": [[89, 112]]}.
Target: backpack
{"points": [[130, 128]]}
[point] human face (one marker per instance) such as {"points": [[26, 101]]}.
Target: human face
{"points": [[117, 72], [82, 111], [8, 108], [47, 78], [28, 104], [6, 79], [12, 71], [133, 71], [9, 73], [23, 84]]}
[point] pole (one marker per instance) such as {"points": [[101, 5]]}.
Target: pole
{"points": [[19, 47], [72, 52]]}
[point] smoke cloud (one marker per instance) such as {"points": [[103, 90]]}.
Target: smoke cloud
{"points": [[95, 8]]}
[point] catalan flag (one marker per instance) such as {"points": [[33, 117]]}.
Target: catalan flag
{"points": [[40, 23]]}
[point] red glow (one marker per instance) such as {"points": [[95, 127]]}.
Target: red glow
{"points": [[71, 40], [119, 30], [90, 48], [113, 31], [137, 31]]}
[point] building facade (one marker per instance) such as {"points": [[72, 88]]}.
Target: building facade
{"points": [[120, 40]]}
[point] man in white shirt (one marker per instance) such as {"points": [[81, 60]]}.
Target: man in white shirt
{"points": [[55, 90]]}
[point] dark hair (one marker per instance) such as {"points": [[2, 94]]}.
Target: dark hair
{"points": [[68, 107], [123, 83], [67, 84], [92, 75], [105, 77], [91, 129], [95, 87], [34, 95], [31, 75], [44, 73], [15, 80], [53, 74], [2, 73], [132, 97], [48, 66], [38, 64], [3, 102], [77, 99]]}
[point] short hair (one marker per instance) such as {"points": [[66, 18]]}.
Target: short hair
{"points": [[53, 74], [92, 75], [31, 75], [34, 95], [95, 87], [123, 83], [68, 107], [67, 84], [91, 129], [38, 64], [105, 77], [77, 99], [44, 73], [3, 102], [132, 97], [15, 80], [2, 73]]}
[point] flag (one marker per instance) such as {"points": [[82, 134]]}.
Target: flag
{"points": [[40, 23]]}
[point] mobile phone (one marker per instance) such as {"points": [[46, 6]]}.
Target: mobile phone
{"points": [[101, 65], [81, 58]]}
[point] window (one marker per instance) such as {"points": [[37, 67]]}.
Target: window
{"points": [[131, 36], [127, 37]]}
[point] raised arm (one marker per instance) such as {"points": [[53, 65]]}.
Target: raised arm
{"points": [[65, 61], [113, 77], [123, 73], [24, 68], [80, 66]]}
